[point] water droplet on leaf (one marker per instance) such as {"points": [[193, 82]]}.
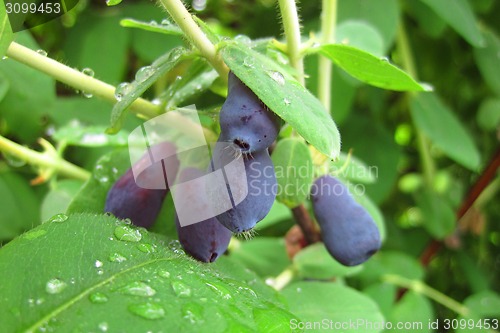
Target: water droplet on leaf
{"points": [[277, 76], [103, 327], [138, 288], [42, 52], [58, 218], [222, 291], [147, 310], [144, 73], [116, 257], [146, 248], [181, 289], [122, 89], [98, 297], [13, 161], [55, 286], [33, 234], [127, 234]]}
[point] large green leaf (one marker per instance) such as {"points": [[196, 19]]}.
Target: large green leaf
{"points": [[266, 256], [438, 215], [487, 60], [294, 171], [459, 15], [94, 272], [415, 311], [30, 94], [5, 30], [127, 93], [19, 206], [443, 128], [284, 96], [108, 169], [341, 306], [370, 69], [314, 262], [381, 14]]}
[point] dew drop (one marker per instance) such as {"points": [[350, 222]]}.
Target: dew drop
{"points": [[153, 23], [166, 22], [199, 5], [39, 301], [31, 302], [222, 291], [249, 62], [384, 59], [5, 57], [58, 218], [117, 257], [127, 233], [144, 73], [98, 298], [100, 174], [34, 234], [113, 2], [277, 76], [146, 248], [103, 327], [427, 86], [176, 247], [163, 273], [181, 289], [138, 288], [147, 310], [13, 161], [88, 71], [193, 312], [55, 286], [122, 89], [100, 272], [286, 101], [42, 52], [98, 264], [243, 39]]}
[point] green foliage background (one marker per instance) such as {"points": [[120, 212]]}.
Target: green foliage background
{"points": [[455, 47]]}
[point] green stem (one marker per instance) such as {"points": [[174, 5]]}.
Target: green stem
{"points": [[422, 288], [291, 27], [181, 16], [43, 160], [282, 280], [75, 79], [328, 23], [404, 48]]}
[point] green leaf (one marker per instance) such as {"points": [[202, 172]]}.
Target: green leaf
{"points": [[5, 30], [19, 206], [108, 169], [284, 96], [459, 15], [165, 27], [266, 256], [57, 200], [390, 262], [484, 304], [113, 2], [294, 171], [370, 69], [356, 170], [100, 44], [77, 134], [415, 311], [361, 35], [340, 305], [487, 60], [314, 262], [89, 277], [384, 294], [488, 116], [438, 216], [145, 78], [278, 213], [30, 94], [443, 128], [384, 15]]}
